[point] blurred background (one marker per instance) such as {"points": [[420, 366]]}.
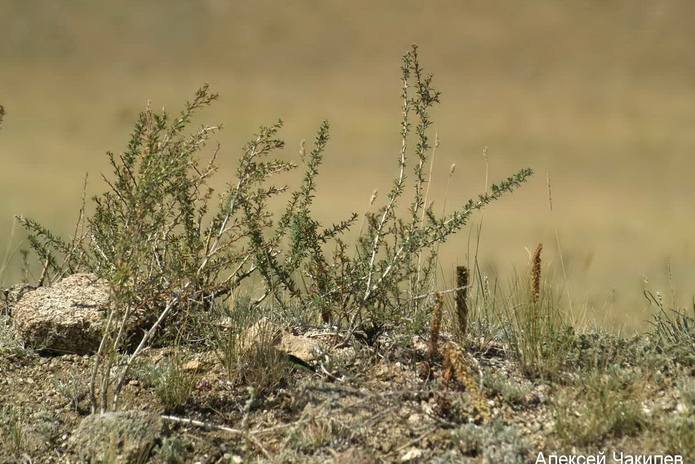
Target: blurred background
{"points": [[597, 96]]}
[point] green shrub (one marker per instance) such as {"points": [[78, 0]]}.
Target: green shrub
{"points": [[386, 279], [169, 255]]}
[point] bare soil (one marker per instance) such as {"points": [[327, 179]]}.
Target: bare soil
{"points": [[361, 405]]}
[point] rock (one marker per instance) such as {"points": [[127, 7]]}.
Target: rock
{"points": [[122, 437], [67, 317], [304, 348], [202, 362], [267, 331], [411, 455]]}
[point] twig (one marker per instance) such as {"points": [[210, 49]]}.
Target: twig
{"points": [[415, 440], [245, 433]]}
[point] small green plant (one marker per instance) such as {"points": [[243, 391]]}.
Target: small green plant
{"points": [[495, 443], [608, 404], [171, 382], [10, 343], [513, 391], [468, 439], [174, 450], [678, 430], [73, 385], [678, 434]]}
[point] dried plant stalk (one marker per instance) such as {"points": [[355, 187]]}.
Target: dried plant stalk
{"points": [[536, 275], [455, 363], [436, 325], [462, 300]]}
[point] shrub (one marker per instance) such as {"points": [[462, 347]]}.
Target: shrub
{"points": [[168, 255], [386, 279]]}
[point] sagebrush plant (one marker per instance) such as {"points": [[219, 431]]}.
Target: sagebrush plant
{"points": [[155, 237], [13, 429], [494, 442], [386, 279], [514, 391], [174, 450], [169, 254], [73, 385], [678, 430]]}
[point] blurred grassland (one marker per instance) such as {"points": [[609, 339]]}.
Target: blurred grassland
{"points": [[600, 95]]}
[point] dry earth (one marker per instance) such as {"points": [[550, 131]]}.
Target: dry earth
{"points": [[371, 407]]}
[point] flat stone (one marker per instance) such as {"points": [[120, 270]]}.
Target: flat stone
{"points": [[66, 317]]}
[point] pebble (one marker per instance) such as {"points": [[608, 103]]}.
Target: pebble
{"points": [[411, 454]]}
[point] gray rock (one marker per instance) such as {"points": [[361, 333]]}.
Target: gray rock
{"points": [[67, 317], [122, 437]]}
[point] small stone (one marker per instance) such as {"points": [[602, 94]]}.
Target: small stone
{"points": [[193, 366], [411, 454]]}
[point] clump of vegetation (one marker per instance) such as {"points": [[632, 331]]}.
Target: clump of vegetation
{"points": [[171, 382], [197, 269], [537, 331], [679, 429], [169, 255], [245, 345], [174, 450], [512, 390], [72, 385], [13, 429], [673, 330], [386, 279], [607, 404]]}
